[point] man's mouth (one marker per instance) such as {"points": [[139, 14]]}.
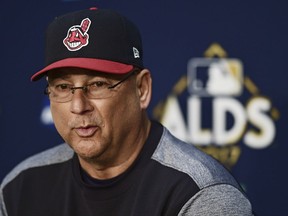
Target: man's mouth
{"points": [[86, 131]]}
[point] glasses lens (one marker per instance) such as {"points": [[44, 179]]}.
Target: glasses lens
{"points": [[61, 93]]}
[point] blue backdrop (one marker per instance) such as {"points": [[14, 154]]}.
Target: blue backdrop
{"points": [[246, 128]]}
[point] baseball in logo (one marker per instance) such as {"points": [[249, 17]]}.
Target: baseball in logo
{"points": [[77, 36]]}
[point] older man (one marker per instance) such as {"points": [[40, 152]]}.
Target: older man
{"points": [[115, 160]]}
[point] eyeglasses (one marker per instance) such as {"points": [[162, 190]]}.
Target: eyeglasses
{"points": [[96, 90]]}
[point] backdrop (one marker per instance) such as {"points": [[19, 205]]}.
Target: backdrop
{"points": [[219, 78]]}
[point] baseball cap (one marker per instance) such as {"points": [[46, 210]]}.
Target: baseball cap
{"points": [[95, 39]]}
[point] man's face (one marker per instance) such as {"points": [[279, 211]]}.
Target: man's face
{"points": [[99, 129]]}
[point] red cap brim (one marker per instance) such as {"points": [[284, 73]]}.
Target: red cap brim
{"points": [[100, 65]]}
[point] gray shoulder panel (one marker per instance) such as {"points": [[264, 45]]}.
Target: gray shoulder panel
{"points": [[186, 158], [54, 155], [220, 199]]}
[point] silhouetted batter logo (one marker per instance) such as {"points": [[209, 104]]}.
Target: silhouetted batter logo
{"points": [[77, 36]]}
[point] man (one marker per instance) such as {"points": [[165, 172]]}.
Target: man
{"points": [[115, 161]]}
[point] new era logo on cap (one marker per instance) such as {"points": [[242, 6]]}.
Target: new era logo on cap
{"points": [[136, 53], [77, 36]]}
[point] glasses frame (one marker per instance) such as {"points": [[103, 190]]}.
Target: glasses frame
{"points": [[85, 87]]}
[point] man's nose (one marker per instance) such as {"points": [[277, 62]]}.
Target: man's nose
{"points": [[80, 103]]}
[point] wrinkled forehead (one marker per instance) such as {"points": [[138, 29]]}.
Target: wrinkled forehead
{"points": [[67, 72]]}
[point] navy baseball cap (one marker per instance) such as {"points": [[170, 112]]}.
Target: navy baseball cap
{"points": [[94, 39]]}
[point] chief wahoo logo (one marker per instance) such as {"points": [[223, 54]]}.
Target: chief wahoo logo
{"points": [[77, 36]]}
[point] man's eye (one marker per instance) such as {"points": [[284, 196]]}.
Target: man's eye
{"points": [[98, 84], [62, 87]]}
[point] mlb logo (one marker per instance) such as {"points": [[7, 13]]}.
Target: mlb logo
{"points": [[215, 77]]}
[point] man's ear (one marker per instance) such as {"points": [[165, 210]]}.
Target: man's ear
{"points": [[144, 86]]}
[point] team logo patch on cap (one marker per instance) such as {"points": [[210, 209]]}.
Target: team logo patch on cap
{"points": [[77, 36]]}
